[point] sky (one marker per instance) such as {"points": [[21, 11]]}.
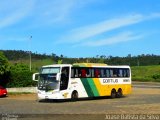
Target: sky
{"points": [[81, 28]]}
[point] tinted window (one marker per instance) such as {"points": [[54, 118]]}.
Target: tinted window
{"points": [[84, 72]]}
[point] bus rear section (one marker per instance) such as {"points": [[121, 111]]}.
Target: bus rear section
{"points": [[102, 80]]}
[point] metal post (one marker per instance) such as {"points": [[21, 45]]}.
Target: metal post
{"points": [[30, 57]]}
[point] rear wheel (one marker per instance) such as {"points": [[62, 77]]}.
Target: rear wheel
{"points": [[74, 95], [119, 94], [113, 93]]}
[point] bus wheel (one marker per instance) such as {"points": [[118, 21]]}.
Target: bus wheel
{"points": [[113, 93], [119, 93], [74, 95]]}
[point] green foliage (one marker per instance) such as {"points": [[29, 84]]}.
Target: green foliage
{"points": [[3, 64], [60, 61], [20, 76], [140, 60], [36, 64], [21, 55], [146, 73], [4, 70], [144, 67], [156, 76]]}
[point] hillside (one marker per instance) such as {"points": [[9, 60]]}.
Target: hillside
{"points": [[19, 56], [144, 67], [140, 60]]}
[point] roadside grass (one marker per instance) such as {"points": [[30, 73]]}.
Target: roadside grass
{"points": [[36, 64], [146, 73]]}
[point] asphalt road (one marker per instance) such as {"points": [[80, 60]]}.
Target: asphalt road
{"points": [[143, 103]]}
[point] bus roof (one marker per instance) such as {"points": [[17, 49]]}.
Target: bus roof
{"points": [[99, 65], [88, 64], [57, 65]]}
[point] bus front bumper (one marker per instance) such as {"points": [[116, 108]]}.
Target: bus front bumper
{"points": [[49, 95]]}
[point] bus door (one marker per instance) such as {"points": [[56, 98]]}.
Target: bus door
{"points": [[64, 78]]}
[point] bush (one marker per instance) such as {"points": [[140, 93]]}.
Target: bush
{"points": [[20, 76], [156, 76], [141, 79], [4, 70]]}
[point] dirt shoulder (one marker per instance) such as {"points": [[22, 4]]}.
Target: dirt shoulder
{"points": [[29, 96]]}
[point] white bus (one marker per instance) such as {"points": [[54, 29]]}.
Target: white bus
{"points": [[82, 80]]}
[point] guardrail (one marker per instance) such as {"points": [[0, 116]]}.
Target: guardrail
{"points": [[23, 89]]}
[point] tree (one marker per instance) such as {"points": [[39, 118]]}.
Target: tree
{"points": [[20, 76], [4, 69], [60, 62]]}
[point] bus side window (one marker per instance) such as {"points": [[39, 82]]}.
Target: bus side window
{"points": [[107, 73], [97, 73], [72, 73], [126, 73], [83, 73], [92, 72], [78, 72], [111, 73], [89, 72], [120, 73], [102, 73], [115, 72]]}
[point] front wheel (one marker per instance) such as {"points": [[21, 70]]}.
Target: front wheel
{"points": [[74, 95]]}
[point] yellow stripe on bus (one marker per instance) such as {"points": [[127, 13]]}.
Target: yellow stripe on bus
{"points": [[101, 88]]}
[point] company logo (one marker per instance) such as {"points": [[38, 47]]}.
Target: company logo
{"points": [[110, 80]]}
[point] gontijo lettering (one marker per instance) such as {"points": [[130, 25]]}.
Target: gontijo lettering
{"points": [[110, 80]]}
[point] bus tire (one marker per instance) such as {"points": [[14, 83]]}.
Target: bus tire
{"points": [[74, 95], [113, 93], [119, 94]]}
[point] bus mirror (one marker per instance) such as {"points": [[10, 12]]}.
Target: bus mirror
{"points": [[58, 77], [35, 76]]}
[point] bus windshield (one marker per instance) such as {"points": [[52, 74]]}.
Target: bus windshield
{"points": [[48, 70], [47, 80]]}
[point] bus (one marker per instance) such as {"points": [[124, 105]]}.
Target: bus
{"points": [[82, 80]]}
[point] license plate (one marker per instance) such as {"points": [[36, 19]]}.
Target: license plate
{"points": [[46, 97]]}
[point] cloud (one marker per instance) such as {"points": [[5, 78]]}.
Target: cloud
{"points": [[79, 34], [13, 38], [52, 11], [39, 11], [55, 11], [11, 14], [121, 37], [90, 31]]}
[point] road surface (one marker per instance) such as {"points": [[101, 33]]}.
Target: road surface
{"points": [[144, 102]]}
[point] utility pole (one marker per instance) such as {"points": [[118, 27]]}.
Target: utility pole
{"points": [[30, 57]]}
